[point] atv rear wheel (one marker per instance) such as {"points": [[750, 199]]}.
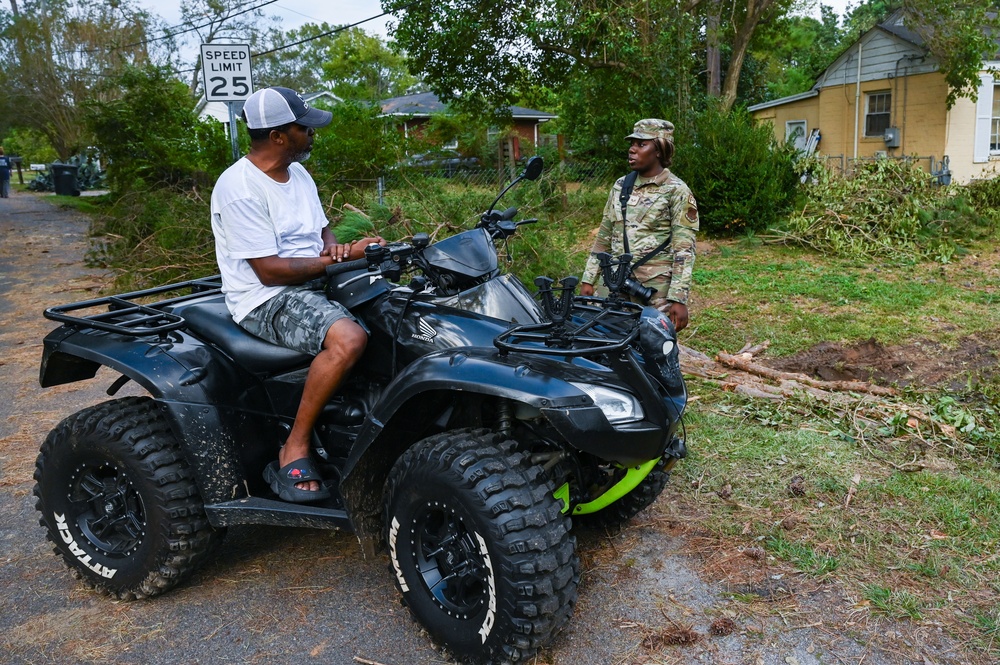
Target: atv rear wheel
{"points": [[480, 550], [118, 501], [617, 515]]}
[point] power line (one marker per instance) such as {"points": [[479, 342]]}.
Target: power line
{"points": [[328, 33], [173, 34], [319, 36]]}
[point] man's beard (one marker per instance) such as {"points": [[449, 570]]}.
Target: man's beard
{"points": [[302, 156]]}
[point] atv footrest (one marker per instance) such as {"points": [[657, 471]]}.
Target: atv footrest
{"points": [[255, 510]]}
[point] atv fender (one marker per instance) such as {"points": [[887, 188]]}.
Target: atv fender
{"points": [[193, 384], [419, 393]]}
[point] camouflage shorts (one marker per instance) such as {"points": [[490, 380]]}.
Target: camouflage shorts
{"points": [[297, 318]]}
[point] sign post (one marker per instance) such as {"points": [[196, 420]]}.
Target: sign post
{"points": [[228, 78]]}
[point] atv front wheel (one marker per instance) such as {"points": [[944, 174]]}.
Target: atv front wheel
{"points": [[117, 499], [480, 550]]}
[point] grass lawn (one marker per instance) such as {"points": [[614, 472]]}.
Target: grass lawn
{"points": [[903, 514]]}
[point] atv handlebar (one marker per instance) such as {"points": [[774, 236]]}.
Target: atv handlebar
{"points": [[346, 266]]}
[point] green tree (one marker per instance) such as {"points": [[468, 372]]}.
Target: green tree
{"points": [[294, 65], [150, 135], [355, 147], [604, 61], [361, 66], [865, 15], [31, 145], [53, 55], [794, 50], [487, 54]]}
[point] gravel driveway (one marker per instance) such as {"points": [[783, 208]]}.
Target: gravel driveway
{"points": [[654, 593]]}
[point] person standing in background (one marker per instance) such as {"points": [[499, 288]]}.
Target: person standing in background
{"points": [[660, 211], [4, 175]]}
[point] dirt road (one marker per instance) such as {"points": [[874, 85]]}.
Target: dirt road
{"points": [[655, 593]]}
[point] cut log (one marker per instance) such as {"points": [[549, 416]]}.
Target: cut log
{"points": [[747, 365]]}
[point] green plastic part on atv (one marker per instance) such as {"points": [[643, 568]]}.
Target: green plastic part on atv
{"points": [[629, 482]]}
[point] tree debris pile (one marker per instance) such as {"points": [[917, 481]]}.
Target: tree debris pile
{"points": [[868, 405]]}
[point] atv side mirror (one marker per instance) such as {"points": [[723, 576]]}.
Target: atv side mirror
{"points": [[533, 168]]}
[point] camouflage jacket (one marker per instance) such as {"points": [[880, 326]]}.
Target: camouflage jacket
{"points": [[659, 206]]}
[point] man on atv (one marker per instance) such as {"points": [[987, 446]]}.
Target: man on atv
{"points": [[271, 238]]}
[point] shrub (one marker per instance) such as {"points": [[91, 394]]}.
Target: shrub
{"points": [[743, 180], [354, 149], [155, 236], [150, 135], [984, 197]]}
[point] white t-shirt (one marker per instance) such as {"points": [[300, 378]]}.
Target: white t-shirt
{"points": [[254, 216]]}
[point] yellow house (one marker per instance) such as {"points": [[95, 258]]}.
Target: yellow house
{"points": [[884, 97]]}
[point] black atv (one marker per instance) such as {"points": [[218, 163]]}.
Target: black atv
{"points": [[478, 422]]}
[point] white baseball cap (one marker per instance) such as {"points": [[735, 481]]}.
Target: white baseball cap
{"points": [[274, 107]]}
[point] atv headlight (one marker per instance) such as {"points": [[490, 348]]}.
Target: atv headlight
{"points": [[618, 407]]}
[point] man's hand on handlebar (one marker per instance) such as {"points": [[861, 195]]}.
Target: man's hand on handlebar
{"points": [[586, 289], [350, 251]]}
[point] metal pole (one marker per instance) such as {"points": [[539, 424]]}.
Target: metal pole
{"points": [[857, 101], [381, 190], [232, 131]]}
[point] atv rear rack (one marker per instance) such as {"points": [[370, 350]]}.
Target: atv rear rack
{"points": [[124, 316]]}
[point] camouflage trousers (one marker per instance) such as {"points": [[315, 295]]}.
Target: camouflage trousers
{"points": [[298, 318]]}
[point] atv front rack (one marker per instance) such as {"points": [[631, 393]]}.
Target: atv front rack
{"points": [[125, 316], [617, 322]]}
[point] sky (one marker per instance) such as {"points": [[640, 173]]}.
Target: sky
{"points": [[294, 13]]}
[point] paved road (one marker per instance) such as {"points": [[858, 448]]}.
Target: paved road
{"points": [[275, 595]]}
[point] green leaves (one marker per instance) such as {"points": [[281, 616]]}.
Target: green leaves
{"points": [[149, 134], [886, 208], [742, 180], [960, 36], [361, 67]]}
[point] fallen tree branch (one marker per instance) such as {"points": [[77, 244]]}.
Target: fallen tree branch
{"points": [[747, 365]]}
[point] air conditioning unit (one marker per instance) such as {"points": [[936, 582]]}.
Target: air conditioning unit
{"points": [[881, 154], [891, 137]]}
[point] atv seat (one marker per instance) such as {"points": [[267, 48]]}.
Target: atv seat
{"points": [[211, 320]]}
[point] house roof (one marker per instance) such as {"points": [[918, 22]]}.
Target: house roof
{"points": [[423, 104], [892, 25], [784, 100]]}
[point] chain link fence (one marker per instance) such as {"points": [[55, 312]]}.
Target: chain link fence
{"points": [[847, 165]]}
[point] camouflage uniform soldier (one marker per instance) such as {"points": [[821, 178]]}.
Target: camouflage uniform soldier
{"points": [[661, 206]]}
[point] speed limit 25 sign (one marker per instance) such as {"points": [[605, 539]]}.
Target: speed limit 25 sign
{"points": [[226, 68]]}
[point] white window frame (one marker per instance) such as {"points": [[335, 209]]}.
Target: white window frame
{"points": [[995, 121], [981, 151], [869, 96], [803, 139]]}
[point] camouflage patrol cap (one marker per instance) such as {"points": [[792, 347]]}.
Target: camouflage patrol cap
{"points": [[653, 128]]}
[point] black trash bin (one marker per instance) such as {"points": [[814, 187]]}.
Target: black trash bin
{"points": [[64, 179]]}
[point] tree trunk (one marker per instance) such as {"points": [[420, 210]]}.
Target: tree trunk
{"points": [[713, 60], [755, 11], [13, 8]]}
